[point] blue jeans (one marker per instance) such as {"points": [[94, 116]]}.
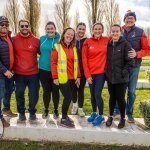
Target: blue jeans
{"points": [[96, 90], [133, 78], [2, 91], [131, 90], [9, 88], [32, 82]]}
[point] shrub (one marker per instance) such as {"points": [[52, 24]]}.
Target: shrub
{"points": [[145, 110]]}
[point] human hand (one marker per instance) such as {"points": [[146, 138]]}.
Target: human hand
{"points": [[8, 74], [77, 82], [132, 53], [89, 80], [56, 81]]}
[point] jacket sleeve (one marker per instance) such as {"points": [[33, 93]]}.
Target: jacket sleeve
{"points": [[85, 59], [3, 69], [145, 47], [54, 61], [128, 62]]}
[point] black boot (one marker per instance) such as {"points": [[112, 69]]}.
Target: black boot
{"points": [[46, 114], [109, 121], [121, 123], [56, 114]]}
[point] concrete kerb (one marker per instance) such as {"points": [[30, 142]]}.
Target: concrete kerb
{"points": [[84, 132]]}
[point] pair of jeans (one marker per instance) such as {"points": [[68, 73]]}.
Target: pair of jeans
{"points": [[32, 82], [66, 90], [133, 78], [9, 88], [96, 92], [2, 91], [48, 88], [78, 93], [117, 93]]}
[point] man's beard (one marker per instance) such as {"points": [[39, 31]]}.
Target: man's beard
{"points": [[25, 34]]}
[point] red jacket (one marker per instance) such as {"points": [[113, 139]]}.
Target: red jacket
{"points": [[94, 55], [26, 49], [145, 47], [70, 62]]}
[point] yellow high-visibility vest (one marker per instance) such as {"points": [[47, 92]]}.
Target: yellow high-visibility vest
{"points": [[62, 64]]}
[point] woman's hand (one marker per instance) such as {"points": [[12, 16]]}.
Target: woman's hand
{"points": [[90, 80], [56, 81], [77, 82]]}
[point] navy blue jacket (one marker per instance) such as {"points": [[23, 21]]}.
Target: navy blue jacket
{"points": [[4, 56], [134, 38]]}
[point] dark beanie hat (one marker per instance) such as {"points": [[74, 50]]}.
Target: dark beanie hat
{"points": [[129, 13], [3, 19]]}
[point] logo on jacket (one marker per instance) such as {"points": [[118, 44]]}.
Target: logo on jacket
{"points": [[30, 46], [91, 47], [133, 35]]}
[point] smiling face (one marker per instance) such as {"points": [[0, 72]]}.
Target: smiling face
{"points": [[129, 21], [115, 33], [4, 27], [81, 29], [97, 30], [24, 28], [50, 30], [69, 36]]}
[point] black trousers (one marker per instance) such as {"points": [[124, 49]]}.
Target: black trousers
{"points": [[48, 88], [117, 93], [78, 93], [66, 90]]}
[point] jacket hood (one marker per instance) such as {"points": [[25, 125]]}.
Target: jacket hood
{"points": [[78, 39], [121, 39]]}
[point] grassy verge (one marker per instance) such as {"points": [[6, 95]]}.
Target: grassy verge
{"points": [[141, 95], [146, 58], [19, 145], [142, 75]]}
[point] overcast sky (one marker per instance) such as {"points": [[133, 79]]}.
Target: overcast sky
{"points": [[139, 6]]}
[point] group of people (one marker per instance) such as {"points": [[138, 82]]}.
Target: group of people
{"points": [[65, 63]]}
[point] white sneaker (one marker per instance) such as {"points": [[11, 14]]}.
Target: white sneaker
{"points": [[80, 112], [74, 109]]}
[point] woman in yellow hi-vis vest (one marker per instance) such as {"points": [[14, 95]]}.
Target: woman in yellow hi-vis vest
{"points": [[65, 71]]}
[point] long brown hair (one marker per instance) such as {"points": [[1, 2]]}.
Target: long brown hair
{"points": [[62, 36]]}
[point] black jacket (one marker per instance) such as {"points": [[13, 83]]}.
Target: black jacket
{"points": [[79, 44], [118, 62], [4, 56]]}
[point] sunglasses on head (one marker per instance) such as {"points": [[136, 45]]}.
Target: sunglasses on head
{"points": [[4, 24], [22, 26]]}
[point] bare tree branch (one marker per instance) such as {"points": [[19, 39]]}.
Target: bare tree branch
{"points": [[32, 13], [95, 11], [62, 14], [112, 14], [11, 11]]}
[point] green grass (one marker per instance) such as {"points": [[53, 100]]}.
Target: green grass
{"points": [[20, 145], [142, 75], [141, 95]]}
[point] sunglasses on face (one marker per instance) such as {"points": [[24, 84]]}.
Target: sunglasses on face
{"points": [[22, 26], [4, 24]]}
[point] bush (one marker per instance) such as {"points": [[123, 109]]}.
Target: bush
{"points": [[145, 110]]}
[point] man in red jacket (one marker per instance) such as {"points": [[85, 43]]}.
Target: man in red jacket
{"points": [[26, 47]]}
